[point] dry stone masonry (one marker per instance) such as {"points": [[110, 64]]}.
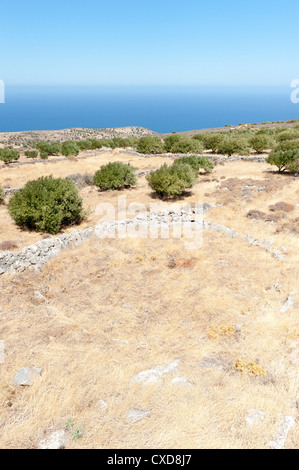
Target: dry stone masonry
{"points": [[35, 256]]}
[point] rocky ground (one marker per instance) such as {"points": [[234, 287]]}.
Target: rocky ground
{"points": [[148, 342], [26, 138]]}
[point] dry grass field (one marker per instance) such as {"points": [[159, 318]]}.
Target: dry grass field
{"points": [[115, 307]]}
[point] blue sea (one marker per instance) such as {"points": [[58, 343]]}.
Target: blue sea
{"points": [[162, 109]]}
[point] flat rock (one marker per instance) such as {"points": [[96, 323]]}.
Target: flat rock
{"points": [[288, 304], [287, 422], [254, 417], [27, 375], [103, 405], [57, 440], [135, 415], [150, 376], [180, 381]]}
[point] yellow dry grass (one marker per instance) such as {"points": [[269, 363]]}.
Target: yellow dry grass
{"points": [[117, 307]]}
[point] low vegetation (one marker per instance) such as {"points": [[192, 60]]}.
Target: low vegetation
{"points": [[178, 143], [150, 144], [172, 181], [285, 160], [115, 175], [8, 155], [46, 205], [197, 163], [31, 153]]}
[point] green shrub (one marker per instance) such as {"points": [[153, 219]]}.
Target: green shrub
{"points": [[42, 146], [150, 145], [178, 143], [261, 142], [43, 155], [84, 144], [31, 153], [172, 180], [8, 155], [115, 175], [69, 148], [287, 135], [212, 141], [285, 160], [171, 140], [54, 148], [200, 137], [46, 205], [1, 195], [231, 145], [288, 145], [196, 162]]}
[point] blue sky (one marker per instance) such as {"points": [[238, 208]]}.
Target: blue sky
{"points": [[149, 42]]}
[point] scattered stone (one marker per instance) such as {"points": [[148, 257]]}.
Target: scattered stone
{"points": [[27, 375], [180, 381], [288, 304], [150, 376], [57, 440], [39, 296], [254, 417], [134, 415], [287, 422], [103, 405], [210, 361]]}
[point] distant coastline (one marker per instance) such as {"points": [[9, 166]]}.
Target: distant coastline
{"points": [[61, 135]]}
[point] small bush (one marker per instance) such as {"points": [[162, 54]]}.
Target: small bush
{"points": [[178, 143], [212, 141], [196, 163], [285, 160], [51, 148], [8, 155], [150, 145], [69, 148], [172, 180], [42, 145], [31, 153], [287, 135], [285, 145], [43, 155], [84, 144], [54, 148], [200, 137], [46, 205], [115, 175], [259, 143], [231, 145]]}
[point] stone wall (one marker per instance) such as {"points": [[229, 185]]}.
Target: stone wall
{"points": [[35, 256]]}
